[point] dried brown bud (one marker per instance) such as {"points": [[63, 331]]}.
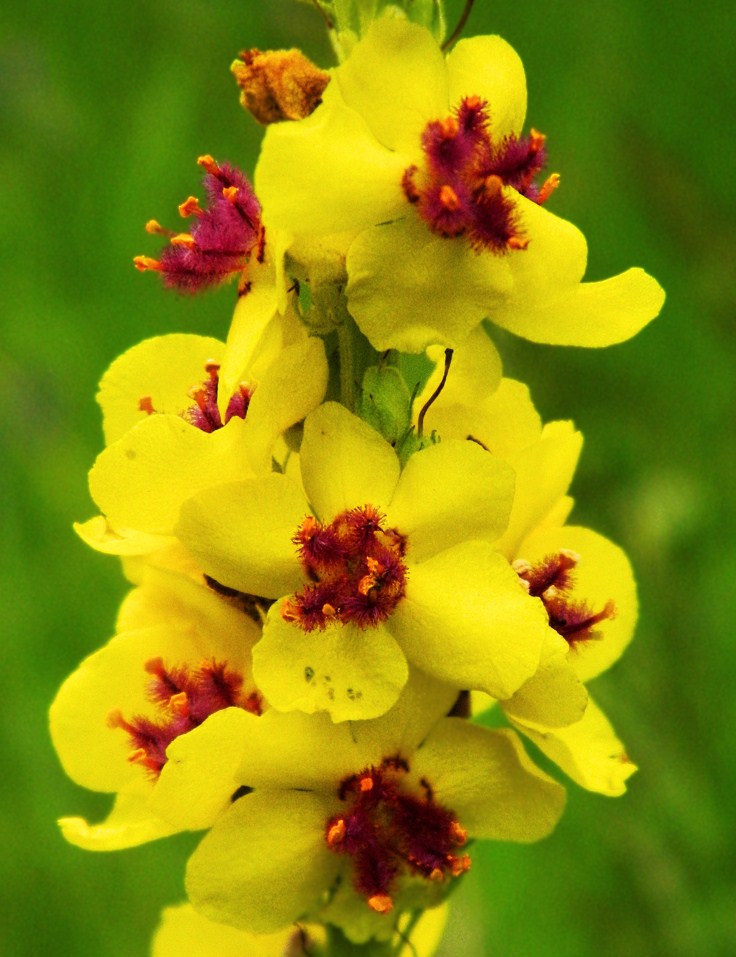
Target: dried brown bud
{"points": [[278, 84]]}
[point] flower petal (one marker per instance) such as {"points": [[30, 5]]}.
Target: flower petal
{"points": [[142, 480], [201, 774], [475, 372], [544, 471], [345, 463], [241, 534], [409, 288], [554, 696], [327, 173], [350, 672], [448, 493], [163, 369], [129, 824], [182, 927], [467, 621], [486, 778], [100, 535], [491, 69], [395, 78], [589, 752], [265, 863]]}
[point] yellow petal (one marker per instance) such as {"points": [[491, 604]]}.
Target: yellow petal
{"points": [[491, 69], [162, 369], [554, 696], [265, 863], [345, 463], [589, 752], [328, 174], [142, 480], [100, 535], [201, 774], [395, 78], [410, 289], [486, 778], [467, 621], [182, 928], [475, 372], [349, 672], [241, 534], [129, 824], [449, 493]]}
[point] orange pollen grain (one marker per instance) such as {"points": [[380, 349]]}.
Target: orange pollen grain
{"points": [[328, 610], [548, 187], [145, 263], [336, 833], [536, 139], [366, 783], [380, 903], [183, 239], [179, 703], [449, 198], [190, 207], [154, 227], [208, 163], [459, 834], [230, 193], [493, 184], [517, 242], [450, 127]]}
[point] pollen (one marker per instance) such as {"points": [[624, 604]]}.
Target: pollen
{"points": [[190, 207], [380, 903], [336, 833], [230, 193], [449, 198], [353, 570]]}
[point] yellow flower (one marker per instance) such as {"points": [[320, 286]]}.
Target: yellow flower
{"points": [[372, 567], [183, 413], [177, 674], [353, 824], [584, 581], [421, 157]]}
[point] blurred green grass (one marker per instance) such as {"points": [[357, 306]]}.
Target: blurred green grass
{"points": [[104, 109]]}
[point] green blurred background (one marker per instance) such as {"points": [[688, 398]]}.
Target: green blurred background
{"points": [[103, 111]]}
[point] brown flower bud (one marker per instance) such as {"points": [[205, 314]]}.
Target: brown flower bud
{"points": [[278, 84]]}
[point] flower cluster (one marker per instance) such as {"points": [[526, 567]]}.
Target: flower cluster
{"points": [[339, 565]]}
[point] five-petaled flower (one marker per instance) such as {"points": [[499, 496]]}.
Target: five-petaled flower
{"points": [[421, 158]]}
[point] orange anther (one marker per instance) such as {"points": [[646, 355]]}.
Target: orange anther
{"points": [[517, 242], [145, 404], [208, 164], [145, 263], [289, 612], [548, 187], [328, 610], [458, 832], [230, 193], [179, 703], [493, 184], [449, 198], [536, 140], [336, 833], [138, 756], [212, 367], [154, 227], [458, 865], [190, 207], [450, 127], [183, 239], [473, 102], [381, 903], [366, 783], [436, 874]]}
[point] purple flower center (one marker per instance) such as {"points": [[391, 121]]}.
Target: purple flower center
{"points": [[354, 567], [389, 831], [460, 190]]}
